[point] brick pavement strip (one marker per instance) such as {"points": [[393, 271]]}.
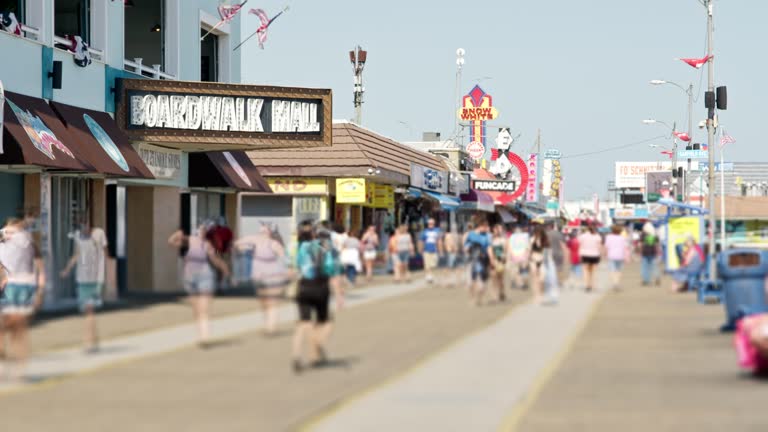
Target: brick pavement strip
{"points": [[650, 360], [245, 383]]}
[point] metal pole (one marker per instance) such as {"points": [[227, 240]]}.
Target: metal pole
{"points": [[690, 135], [711, 142], [722, 198], [674, 162]]}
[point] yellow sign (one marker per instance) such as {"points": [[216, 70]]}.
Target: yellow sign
{"points": [[351, 191], [298, 185], [383, 196], [678, 231]]}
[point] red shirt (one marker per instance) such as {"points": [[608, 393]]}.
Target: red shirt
{"points": [[573, 248]]}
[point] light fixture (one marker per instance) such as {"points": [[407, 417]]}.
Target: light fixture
{"points": [[155, 29], [657, 82], [649, 121]]}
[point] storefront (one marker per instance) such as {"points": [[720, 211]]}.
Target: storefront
{"points": [[429, 191], [196, 134], [66, 154]]}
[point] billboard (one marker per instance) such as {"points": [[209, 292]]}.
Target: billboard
{"points": [[632, 174]]}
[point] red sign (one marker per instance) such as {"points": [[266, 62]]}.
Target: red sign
{"points": [[476, 149]]}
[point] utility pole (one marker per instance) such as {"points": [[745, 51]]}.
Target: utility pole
{"points": [[711, 141], [456, 96], [358, 56], [674, 162]]}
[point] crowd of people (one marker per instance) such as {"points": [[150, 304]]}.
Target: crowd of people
{"points": [[326, 261]]}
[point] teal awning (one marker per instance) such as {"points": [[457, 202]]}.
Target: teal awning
{"points": [[447, 202]]}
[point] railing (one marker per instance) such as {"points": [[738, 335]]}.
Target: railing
{"points": [[30, 31], [137, 67], [96, 53]]}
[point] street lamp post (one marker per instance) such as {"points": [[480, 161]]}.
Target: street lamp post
{"points": [[711, 140], [689, 92], [457, 99]]}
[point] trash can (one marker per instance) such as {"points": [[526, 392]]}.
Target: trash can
{"points": [[743, 272]]}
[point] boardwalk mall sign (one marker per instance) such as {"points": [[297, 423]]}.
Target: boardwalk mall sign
{"points": [[194, 115]]}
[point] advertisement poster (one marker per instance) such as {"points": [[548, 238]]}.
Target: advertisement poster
{"points": [[351, 191], [678, 230]]}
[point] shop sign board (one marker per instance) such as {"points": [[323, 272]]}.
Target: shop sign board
{"points": [[678, 230], [383, 196], [477, 108], [163, 163], [459, 183], [429, 179], [476, 150], [553, 154], [506, 186], [351, 191], [532, 188], [232, 115], [632, 174], [298, 185]]}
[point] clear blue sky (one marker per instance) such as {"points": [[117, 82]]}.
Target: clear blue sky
{"points": [[579, 70]]}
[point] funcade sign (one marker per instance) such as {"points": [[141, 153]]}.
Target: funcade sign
{"points": [[495, 185]]}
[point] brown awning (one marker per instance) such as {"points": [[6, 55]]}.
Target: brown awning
{"points": [[34, 135], [227, 170], [107, 148]]}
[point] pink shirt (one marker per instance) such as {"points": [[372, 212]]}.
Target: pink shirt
{"points": [[615, 247], [589, 245]]}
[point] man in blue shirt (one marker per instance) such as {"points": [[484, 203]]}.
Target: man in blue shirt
{"points": [[431, 247], [478, 248]]}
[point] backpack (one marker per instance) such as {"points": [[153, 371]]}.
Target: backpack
{"points": [[477, 251], [317, 260]]}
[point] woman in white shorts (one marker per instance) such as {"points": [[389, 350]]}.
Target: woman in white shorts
{"points": [[370, 242]]}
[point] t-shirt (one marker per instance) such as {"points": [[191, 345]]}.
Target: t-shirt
{"points": [[573, 249], [589, 245], [478, 244], [649, 245], [615, 247], [351, 243], [17, 256], [430, 236], [518, 246], [556, 244]]}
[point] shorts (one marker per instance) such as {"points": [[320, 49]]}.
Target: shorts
{"points": [[479, 271], [313, 295], [200, 284], [590, 260], [369, 255], [616, 265], [403, 257], [88, 294], [430, 260], [18, 298], [576, 269]]}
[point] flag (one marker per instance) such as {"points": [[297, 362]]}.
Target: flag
{"points": [[726, 139], [682, 135], [696, 62], [704, 147], [668, 153], [10, 24], [228, 13]]}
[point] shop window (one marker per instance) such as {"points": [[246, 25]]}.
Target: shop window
{"points": [[72, 17], [209, 57], [145, 31], [14, 6]]}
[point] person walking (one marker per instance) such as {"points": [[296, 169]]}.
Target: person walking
{"points": [[269, 274], [403, 251], [370, 242], [199, 277], [317, 262], [477, 248], [518, 250], [616, 252], [574, 259], [431, 247], [22, 281], [498, 271], [89, 258], [537, 266], [590, 250], [558, 251], [452, 248], [350, 257], [650, 250]]}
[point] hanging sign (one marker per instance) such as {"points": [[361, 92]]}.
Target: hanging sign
{"points": [[532, 190], [163, 163], [351, 191], [477, 108], [429, 179]]}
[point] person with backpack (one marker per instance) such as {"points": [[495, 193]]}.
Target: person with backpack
{"points": [[269, 275], [89, 257], [317, 262], [199, 280], [481, 258], [649, 252]]}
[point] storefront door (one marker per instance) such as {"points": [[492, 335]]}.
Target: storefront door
{"points": [[70, 204]]}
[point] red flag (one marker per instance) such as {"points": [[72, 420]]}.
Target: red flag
{"points": [[726, 139], [696, 62], [668, 153], [682, 136]]}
